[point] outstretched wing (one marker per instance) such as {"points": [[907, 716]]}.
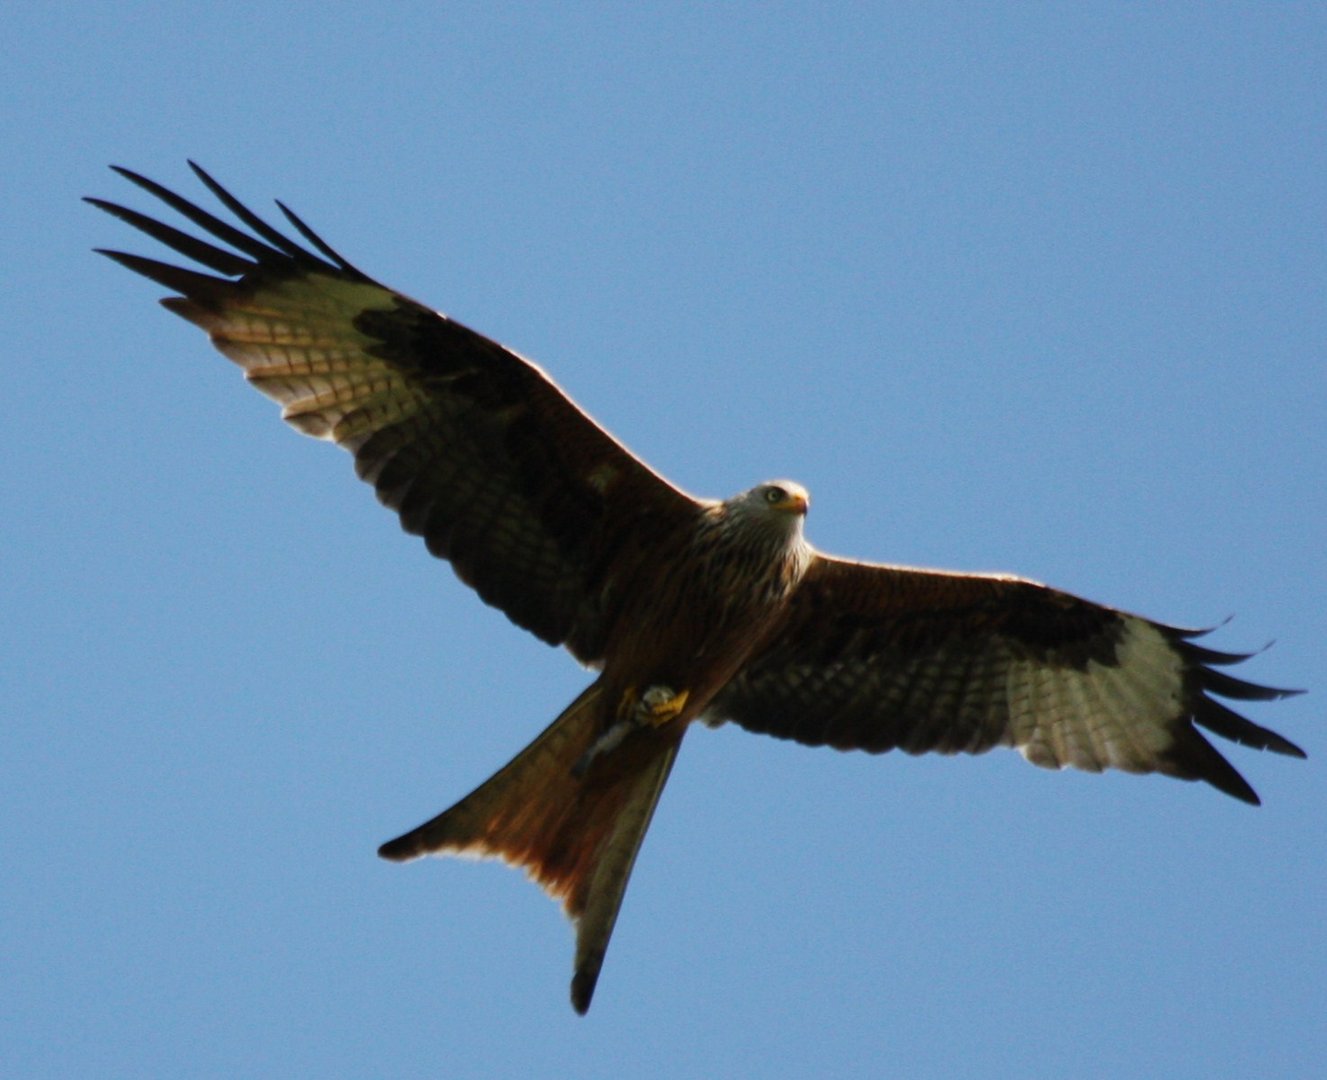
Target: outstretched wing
{"points": [[478, 451], [877, 657]]}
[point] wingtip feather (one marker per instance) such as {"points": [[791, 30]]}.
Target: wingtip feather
{"points": [[401, 849]]}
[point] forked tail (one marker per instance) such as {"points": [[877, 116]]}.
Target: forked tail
{"points": [[576, 836]]}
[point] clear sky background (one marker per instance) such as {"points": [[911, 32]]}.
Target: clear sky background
{"points": [[1037, 288]]}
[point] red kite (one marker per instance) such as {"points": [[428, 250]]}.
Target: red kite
{"points": [[690, 609]]}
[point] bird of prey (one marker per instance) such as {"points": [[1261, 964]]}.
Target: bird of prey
{"points": [[689, 609]]}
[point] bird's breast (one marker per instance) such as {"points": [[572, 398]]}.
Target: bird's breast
{"points": [[697, 624]]}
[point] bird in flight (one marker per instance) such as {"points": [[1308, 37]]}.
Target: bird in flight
{"points": [[689, 609]]}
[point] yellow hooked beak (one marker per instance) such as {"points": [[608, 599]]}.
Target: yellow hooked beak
{"points": [[797, 502]]}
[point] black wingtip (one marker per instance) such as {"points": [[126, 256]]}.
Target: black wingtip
{"points": [[201, 173], [402, 849], [1192, 757], [321, 245], [1228, 780], [263, 249], [129, 174]]}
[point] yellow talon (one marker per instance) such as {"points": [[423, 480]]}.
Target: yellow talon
{"points": [[660, 705]]}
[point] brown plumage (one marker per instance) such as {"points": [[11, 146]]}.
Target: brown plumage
{"points": [[691, 609]]}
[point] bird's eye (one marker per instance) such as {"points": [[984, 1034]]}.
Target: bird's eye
{"points": [[775, 495]]}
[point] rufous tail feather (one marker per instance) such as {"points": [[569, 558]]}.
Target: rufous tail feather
{"points": [[576, 836]]}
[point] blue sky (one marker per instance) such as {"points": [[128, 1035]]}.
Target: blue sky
{"points": [[1037, 288]]}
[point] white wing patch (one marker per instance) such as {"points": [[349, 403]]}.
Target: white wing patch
{"points": [[1105, 716], [297, 343]]}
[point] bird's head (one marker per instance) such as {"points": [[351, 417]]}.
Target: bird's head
{"points": [[782, 497], [778, 504]]}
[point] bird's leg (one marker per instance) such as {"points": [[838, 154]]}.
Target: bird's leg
{"points": [[626, 708], [606, 742], [654, 708]]}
